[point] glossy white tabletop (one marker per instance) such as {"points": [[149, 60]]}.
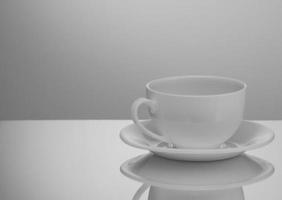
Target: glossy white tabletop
{"points": [[80, 159]]}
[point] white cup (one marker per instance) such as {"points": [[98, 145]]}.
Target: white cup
{"points": [[193, 111]]}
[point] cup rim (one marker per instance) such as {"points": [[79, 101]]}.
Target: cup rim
{"points": [[149, 85]]}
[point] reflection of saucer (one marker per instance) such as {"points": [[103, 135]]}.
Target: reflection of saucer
{"points": [[171, 174], [249, 136]]}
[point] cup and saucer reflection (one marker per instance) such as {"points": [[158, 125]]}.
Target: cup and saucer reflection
{"points": [[214, 180]]}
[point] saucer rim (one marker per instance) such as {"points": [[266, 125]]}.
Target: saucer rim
{"points": [[239, 149], [268, 170]]}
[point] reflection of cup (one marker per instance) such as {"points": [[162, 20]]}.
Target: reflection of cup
{"points": [[193, 111], [157, 193]]}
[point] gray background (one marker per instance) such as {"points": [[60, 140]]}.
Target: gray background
{"points": [[91, 58]]}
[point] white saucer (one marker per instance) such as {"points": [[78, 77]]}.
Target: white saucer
{"points": [[196, 176], [249, 136]]}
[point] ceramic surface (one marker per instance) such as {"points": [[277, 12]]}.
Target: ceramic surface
{"points": [[196, 176], [193, 111], [249, 136]]}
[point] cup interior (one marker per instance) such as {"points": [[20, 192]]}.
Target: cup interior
{"points": [[195, 85]]}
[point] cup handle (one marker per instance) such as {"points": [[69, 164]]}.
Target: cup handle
{"points": [[140, 191], [134, 113]]}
